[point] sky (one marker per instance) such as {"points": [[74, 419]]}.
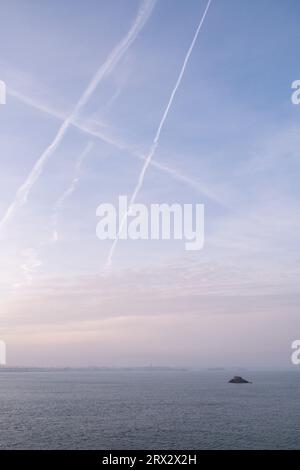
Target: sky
{"points": [[87, 86]]}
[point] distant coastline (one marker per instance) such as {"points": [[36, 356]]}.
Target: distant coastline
{"points": [[91, 369]]}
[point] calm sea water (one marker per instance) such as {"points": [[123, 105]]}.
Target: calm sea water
{"points": [[148, 410]]}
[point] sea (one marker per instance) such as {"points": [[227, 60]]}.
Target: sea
{"points": [[149, 409]]}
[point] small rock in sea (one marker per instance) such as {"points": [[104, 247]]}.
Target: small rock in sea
{"points": [[238, 380]]}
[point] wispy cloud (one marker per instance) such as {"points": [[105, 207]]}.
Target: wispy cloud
{"points": [[32, 256], [185, 287], [31, 263], [105, 69], [157, 136]]}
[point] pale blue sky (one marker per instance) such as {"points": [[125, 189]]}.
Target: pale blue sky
{"points": [[232, 138]]}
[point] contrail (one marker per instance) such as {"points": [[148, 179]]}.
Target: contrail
{"points": [[112, 60], [32, 256], [70, 190], [156, 138], [93, 128]]}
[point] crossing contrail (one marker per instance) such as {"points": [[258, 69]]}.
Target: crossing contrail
{"points": [[157, 137], [106, 68], [94, 128]]}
